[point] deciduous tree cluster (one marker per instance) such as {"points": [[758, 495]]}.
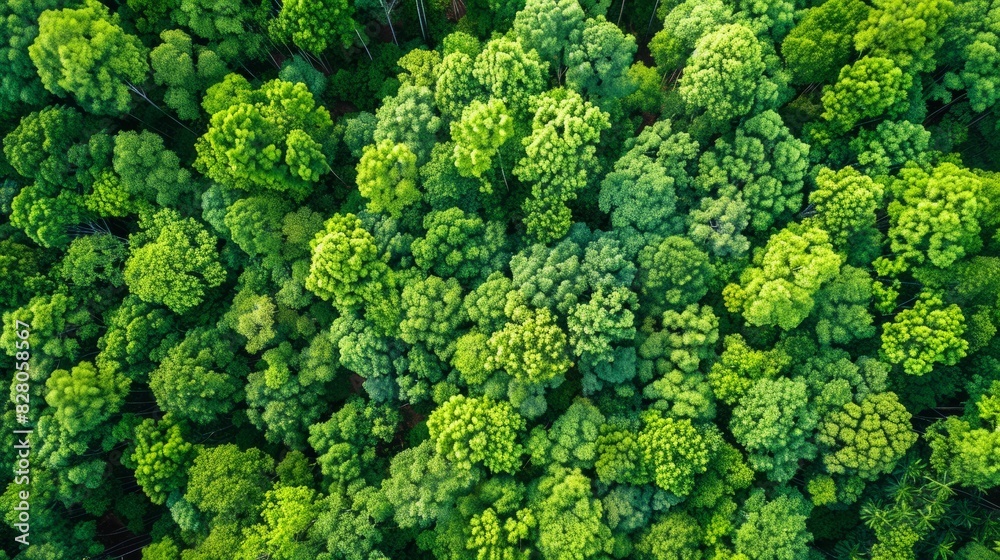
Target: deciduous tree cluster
{"points": [[502, 279]]}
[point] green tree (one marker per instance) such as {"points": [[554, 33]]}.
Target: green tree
{"points": [[275, 137], [162, 549], [84, 397], [926, 334], [255, 224], [962, 447], [725, 74], [444, 187], [346, 443], [673, 149], [771, 20], [286, 532], [46, 213], [779, 288], [186, 69], [108, 198], [222, 540], [359, 131], [676, 536], [314, 25], [409, 118], [85, 53], [934, 216], [673, 274], [230, 484], [173, 261], [572, 439], [533, 348], [765, 161], [432, 313], [200, 378], [684, 24], [456, 86], [569, 517], [150, 172], [485, 304], [489, 538], [677, 393], [719, 222], [419, 67], [890, 145], [599, 64], [687, 338], [740, 366], [560, 157], [284, 398], [774, 529], [40, 146], [869, 88], [95, 260], [913, 508], [822, 42], [549, 27], [138, 336], [366, 351], [903, 32], [479, 134], [971, 36], [469, 431], [387, 177], [597, 326], [353, 525], [230, 27], [346, 264], [868, 438], [300, 69], [30, 265], [845, 202], [422, 485], [19, 84], [63, 324], [639, 193], [459, 245], [775, 423], [510, 73], [842, 308], [51, 147], [161, 458], [551, 276], [671, 453]]}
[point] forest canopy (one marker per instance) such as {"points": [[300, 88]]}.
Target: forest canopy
{"points": [[501, 279]]}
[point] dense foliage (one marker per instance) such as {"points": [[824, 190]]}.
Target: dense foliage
{"points": [[502, 279]]}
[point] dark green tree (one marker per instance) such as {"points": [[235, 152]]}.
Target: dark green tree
{"points": [[200, 378]]}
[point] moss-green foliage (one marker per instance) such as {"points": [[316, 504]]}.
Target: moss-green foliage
{"points": [[274, 137], [84, 53], [173, 261], [501, 279]]}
